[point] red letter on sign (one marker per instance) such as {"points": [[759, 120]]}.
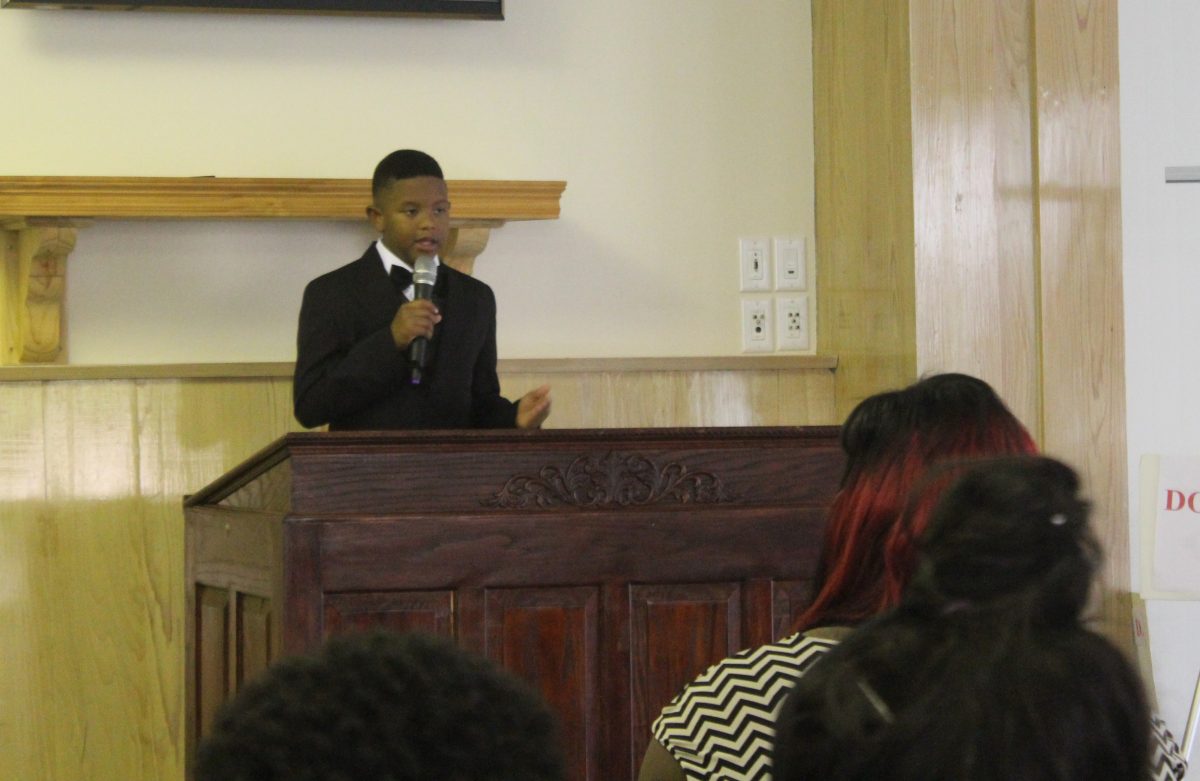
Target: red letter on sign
{"points": [[1172, 494]]}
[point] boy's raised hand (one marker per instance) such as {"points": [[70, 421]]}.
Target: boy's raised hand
{"points": [[534, 408], [414, 319]]}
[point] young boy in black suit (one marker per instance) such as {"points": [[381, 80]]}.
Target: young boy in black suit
{"points": [[353, 367]]}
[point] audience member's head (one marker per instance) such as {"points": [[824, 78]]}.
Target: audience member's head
{"points": [[1005, 531], [984, 671], [383, 707], [891, 440]]}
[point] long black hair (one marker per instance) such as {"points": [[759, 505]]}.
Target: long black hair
{"points": [[985, 670]]}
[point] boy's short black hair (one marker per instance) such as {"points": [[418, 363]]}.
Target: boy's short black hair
{"points": [[403, 164], [382, 705]]}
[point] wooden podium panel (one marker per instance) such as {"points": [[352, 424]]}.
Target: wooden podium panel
{"points": [[606, 567]]}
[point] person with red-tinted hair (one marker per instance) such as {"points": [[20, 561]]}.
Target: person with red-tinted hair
{"points": [[891, 440], [722, 724]]}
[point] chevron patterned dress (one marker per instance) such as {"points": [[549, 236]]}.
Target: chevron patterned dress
{"points": [[721, 727]]}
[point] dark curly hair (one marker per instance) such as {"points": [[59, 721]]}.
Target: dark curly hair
{"points": [[380, 706], [985, 670]]}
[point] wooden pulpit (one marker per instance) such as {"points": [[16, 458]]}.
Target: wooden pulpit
{"points": [[606, 567]]}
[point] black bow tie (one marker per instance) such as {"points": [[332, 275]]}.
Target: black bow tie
{"points": [[401, 278]]}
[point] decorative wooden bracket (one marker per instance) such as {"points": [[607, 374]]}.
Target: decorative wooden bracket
{"points": [[35, 265], [466, 242], [38, 216]]}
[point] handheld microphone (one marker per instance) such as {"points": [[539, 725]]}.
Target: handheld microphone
{"points": [[424, 277]]}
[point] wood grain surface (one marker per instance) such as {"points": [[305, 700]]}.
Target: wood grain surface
{"points": [[93, 471]]}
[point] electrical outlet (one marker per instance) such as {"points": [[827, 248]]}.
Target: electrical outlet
{"points": [[757, 325], [793, 322], [755, 263], [791, 267]]}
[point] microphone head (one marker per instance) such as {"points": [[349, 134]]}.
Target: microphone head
{"points": [[425, 270]]}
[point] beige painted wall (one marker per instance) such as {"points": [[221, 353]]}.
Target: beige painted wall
{"points": [[679, 126]]}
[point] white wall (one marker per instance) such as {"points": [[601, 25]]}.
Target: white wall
{"points": [[1160, 127], [678, 125]]}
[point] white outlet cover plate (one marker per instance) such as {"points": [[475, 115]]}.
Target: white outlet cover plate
{"points": [[757, 326], [791, 266], [754, 262], [792, 326]]}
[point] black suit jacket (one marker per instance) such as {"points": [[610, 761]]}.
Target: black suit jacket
{"points": [[350, 374]]}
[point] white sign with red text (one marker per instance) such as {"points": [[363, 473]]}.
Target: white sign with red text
{"points": [[1175, 555]]}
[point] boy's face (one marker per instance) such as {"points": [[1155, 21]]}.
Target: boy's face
{"points": [[412, 216]]}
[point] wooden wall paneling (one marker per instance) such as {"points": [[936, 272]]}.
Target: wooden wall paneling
{"points": [[111, 679], [617, 698], [807, 399], [301, 561], [24, 738], [229, 565], [92, 479], [677, 631], [730, 398], [550, 637], [255, 640], [431, 612], [22, 443], [189, 432], [654, 398], [1081, 295], [790, 597], [638, 398], [974, 195], [25, 563], [193, 430], [567, 408], [470, 603], [213, 646], [864, 205], [12, 298], [758, 612], [92, 543]]}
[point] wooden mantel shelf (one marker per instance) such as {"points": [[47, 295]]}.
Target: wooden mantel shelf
{"points": [[40, 215], [70, 197]]}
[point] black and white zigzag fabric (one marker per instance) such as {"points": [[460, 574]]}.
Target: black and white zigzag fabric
{"points": [[1166, 759], [721, 727]]}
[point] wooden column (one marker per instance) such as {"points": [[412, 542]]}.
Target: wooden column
{"points": [[864, 177], [1079, 215], [974, 196], [968, 219]]}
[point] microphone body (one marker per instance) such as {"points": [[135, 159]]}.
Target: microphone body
{"points": [[424, 277]]}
